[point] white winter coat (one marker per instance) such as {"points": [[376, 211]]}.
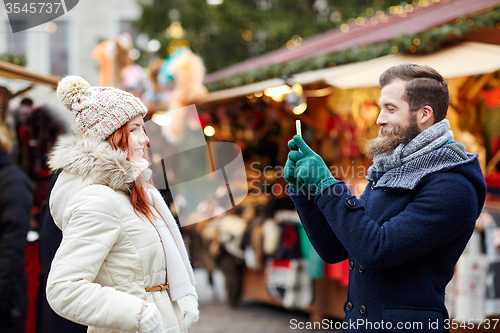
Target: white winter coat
{"points": [[108, 255]]}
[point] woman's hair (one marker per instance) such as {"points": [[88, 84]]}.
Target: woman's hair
{"points": [[119, 141]]}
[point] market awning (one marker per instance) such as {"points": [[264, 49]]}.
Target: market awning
{"points": [[12, 71], [466, 59], [243, 90], [420, 19]]}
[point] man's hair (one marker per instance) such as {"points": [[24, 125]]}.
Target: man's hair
{"points": [[425, 86]]}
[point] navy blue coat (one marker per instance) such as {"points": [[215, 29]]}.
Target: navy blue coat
{"points": [[402, 238]]}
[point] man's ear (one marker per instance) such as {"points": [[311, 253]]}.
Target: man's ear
{"points": [[426, 117]]}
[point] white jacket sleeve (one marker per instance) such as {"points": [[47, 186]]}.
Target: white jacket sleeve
{"points": [[189, 306], [88, 237]]}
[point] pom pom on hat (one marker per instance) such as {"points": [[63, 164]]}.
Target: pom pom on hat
{"points": [[98, 111], [70, 90]]}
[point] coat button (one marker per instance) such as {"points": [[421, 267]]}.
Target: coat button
{"points": [[351, 202], [351, 265], [348, 306], [373, 185], [362, 309], [361, 269]]}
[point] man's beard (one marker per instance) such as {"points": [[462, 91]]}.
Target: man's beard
{"points": [[390, 137]]}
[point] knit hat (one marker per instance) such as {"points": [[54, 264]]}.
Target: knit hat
{"points": [[98, 111]]}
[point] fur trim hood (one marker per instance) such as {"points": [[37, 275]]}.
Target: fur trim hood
{"points": [[94, 159]]}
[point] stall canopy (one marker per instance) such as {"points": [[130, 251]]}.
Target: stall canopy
{"points": [[466, 59], [420, 19], [11, 71]]}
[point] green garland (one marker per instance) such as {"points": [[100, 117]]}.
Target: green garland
{"points": [[15, 59], [430, 41]]}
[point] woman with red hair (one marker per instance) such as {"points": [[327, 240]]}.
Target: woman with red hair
{"points": [[122, 265]]}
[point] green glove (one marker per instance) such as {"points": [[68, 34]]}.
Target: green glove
{"points": [[289, 172], [311, 170]]}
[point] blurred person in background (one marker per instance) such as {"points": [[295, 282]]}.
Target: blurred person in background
{"points": [[15, 206]]}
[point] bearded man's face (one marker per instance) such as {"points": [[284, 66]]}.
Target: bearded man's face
{"points": [[398, 125]]}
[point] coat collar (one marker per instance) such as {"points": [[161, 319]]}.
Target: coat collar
{"points": [[409, 175], [94, 159]]}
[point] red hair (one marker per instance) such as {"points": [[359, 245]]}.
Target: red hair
{"points": [[119, 141]]}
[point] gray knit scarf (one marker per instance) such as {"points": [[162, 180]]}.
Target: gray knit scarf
{"points": [[429, 140]]}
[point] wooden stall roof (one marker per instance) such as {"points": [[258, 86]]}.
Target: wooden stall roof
{"points": [[12, 71], [421, 19], [466, 59]]}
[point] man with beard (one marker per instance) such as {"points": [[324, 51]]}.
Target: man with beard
{"points": [[405, 234]]}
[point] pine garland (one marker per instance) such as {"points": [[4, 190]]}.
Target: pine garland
{"points": [[430, 41], [15, 59]]}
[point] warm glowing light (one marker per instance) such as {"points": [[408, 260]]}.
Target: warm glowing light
{"points": [[209, 131], [278, 99], [360, 21], [175, 30], [291, 45], [299, 109], [161, 119], [413, 49], [258, 94], [297, 89], [458, 21], [247, 35], [394, 49], [278, 91], [344, 28], [370, 11], [416, 41]]}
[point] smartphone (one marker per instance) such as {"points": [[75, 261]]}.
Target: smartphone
{"points": [[299, 129]]}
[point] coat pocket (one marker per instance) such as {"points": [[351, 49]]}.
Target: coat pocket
{"points": [[410, 319]]}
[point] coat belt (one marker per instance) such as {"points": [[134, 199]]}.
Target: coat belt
{"points": [[158, 288]]}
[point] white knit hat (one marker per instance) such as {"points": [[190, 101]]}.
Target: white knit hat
{"points": [[98, 111]]}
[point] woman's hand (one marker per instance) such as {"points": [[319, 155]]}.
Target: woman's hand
{"points": [[189, 306], [151, 321]]}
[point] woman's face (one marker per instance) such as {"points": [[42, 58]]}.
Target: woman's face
{"points": [[137, 140]]}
